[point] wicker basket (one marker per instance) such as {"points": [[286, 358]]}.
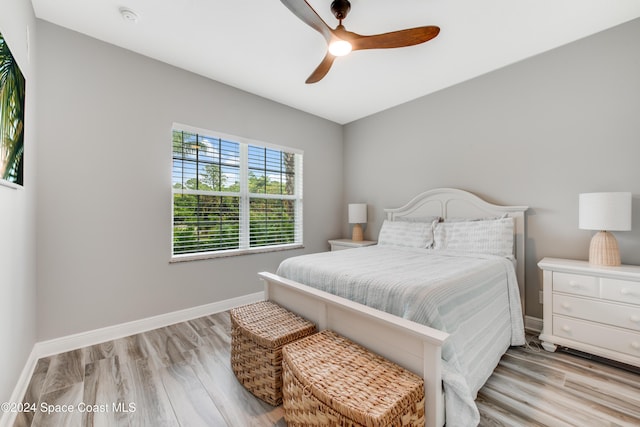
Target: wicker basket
{"points": [[331, 381], [258, 332]]}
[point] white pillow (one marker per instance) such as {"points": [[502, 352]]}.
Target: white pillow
{"points": [[460, 219], [493, 237], [407, 234], [429, 219]]}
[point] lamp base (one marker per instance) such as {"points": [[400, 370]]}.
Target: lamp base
{"points": [[604, 250], [356, 234]]}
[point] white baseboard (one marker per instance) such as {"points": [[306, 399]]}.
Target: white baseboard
{"points": [[533, 324], [88, 338], [84, 339], [8, 418]]}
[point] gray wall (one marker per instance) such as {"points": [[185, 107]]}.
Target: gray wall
{"points": [[18, 216], [104, 203], [536, 133]]}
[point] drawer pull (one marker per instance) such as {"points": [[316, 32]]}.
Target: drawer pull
{"points": [[574, 284], [566, 305], [566, 328], [635, 345], [635, 318]]}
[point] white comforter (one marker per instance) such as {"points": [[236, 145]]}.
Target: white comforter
{"points": [[473, 297]]}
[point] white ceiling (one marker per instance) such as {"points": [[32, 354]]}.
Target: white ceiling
{"points": [[261, 47]]}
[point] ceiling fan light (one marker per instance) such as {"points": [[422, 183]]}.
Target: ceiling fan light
{"points": [[340, 47]]}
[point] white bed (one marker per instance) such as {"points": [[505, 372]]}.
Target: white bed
{"points": [[413, 345]]}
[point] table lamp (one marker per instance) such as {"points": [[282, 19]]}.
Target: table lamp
{"points": [[604, 212], [357, 216]]}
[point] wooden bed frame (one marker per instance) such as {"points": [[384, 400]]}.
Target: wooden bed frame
{"points": [[414, 346]]}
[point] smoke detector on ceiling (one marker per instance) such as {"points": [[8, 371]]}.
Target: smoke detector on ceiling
{"points": [[128, 15]]}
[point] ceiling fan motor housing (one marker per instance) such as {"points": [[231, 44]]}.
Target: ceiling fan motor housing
{"points": [[340, 9]]}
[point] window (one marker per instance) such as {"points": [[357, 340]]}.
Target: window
{"points": [[232, 195]]}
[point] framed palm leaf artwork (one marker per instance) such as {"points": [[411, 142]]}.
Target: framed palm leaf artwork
{"points": [[12, 87]]}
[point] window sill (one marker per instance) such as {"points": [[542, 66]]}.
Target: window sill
{"points": [[233, 252]]}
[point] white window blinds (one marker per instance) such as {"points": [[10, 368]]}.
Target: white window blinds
{"points": [[231, 195]]}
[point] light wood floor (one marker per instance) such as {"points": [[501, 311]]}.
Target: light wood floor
{"points": [[180, 376]]}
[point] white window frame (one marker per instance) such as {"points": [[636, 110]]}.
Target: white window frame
{"points": [[245, 197]]}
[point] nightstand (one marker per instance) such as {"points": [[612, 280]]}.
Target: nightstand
{"points": [[592, 309], [340, 244]]}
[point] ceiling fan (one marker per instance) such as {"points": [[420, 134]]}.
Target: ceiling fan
{"points": [[340, 41]]}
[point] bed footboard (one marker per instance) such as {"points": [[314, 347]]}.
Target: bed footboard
{"points": [[413, 346]]}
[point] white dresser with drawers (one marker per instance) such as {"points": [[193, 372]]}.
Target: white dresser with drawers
{"points": [[593, 309]]}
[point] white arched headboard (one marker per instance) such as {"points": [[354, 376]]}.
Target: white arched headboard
{"points": [[456, 203]]}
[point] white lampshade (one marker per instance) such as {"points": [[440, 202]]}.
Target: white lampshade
{"points": [[605, 211], [357, 213]]}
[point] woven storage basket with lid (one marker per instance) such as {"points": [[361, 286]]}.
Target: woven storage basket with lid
{"points": [[258, 332], [329, 381]]}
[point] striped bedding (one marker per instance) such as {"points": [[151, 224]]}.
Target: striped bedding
{"points": [[473, 297]]}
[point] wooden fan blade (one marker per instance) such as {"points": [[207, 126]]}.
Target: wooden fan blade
{"points": [[402, 38], [309, 16], [322, 69]]}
